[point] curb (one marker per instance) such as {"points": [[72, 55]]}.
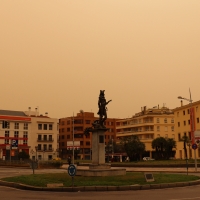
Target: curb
{"points": [[99, 188]]}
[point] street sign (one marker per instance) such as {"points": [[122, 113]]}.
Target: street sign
{"points": [[14, 144], [7, 147], [72, 170], [194, 146]]}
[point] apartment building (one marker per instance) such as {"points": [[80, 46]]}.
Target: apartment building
{"points": [[148, 124], [183, 127], [73, 127], [35, 134]]}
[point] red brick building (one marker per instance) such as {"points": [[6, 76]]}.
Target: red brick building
{"points": [[81, 142]]}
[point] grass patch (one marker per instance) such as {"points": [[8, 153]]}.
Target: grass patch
{"points": [[130, 178]]}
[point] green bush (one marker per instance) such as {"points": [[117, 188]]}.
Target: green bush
{"points": [[50, 164]]}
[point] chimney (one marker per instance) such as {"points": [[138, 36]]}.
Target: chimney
{"points": [[46, 114], [36, 112], [181, 103], [29, 111]]}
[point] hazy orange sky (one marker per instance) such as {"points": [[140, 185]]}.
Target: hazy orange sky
{"points": [[58, 54]]}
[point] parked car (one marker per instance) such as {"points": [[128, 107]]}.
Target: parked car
{"points": [[147, 158]]}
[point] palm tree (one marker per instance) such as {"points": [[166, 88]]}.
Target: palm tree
{"points": [[186, 141], [171, 143], [159, 144]]}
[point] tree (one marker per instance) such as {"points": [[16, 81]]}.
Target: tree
{"points": [[171, 143], [159, 144], [23, 155], [164, 147], [133, 147], [186, 141]]}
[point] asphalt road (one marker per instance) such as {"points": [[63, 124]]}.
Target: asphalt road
{"points": [[182, 193]]}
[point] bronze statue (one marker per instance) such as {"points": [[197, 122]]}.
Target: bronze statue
{"points": [[102, 108], [99, 124]]}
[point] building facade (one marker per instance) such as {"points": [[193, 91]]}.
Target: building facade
{"points": [[183, 127], [148, 125], [35, 134], [82, 144]]}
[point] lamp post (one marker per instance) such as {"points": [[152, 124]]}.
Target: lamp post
{"points": [[192, 125], [36, 149]]}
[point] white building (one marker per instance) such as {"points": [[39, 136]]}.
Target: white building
{"points": [[35, 134]]}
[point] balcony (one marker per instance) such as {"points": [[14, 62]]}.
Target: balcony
{"points": [[44, 140], [45, 150]]}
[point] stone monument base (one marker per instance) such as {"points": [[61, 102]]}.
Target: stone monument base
{"points": [[100, 166], [100, 172]]}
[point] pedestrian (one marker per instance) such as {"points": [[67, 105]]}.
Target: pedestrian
{"points": [[69, 160]]}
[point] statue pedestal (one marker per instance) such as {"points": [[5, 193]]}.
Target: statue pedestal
{"points": [[98, 166]]}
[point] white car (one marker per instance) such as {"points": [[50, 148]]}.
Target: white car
{"points": [[147, 158]]}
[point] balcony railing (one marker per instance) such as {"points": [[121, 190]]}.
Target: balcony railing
{"points": [[45, 149], [44, 140]]}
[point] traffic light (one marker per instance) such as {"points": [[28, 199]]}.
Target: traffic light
{"points": [[4, 124]]}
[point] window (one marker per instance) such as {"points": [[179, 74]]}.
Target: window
{"points": [[25, 142], [8, 125], [172, 120], [172, 128], [179, 136], [158, 128], [63, 130], [87, 143], [63, 137], [44, 147], [25, 126], [81, 142], [39, 137], [165, 120], [188, 111], [87, 121], [184, 122], [45, 126], [6, 141], [16, 134], [197, 119], [45, 137], [178, 124], [158, 135], [173, 136], [68, 136], [7, 133], [63, 144], [50, 147], [185, 134], [16, 126], [63, 123], [25, 135], [50, 126], [68, 129], [189, 135], [184, 112], [166, 135], [68, 122], [50, 138], [39, 126], [158, 120], [39, 157], [188, 122], [39, 147], [177, 114], [166, 128]]}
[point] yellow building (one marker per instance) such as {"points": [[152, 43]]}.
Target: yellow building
{"points": [[183, 127], [148, 125]]}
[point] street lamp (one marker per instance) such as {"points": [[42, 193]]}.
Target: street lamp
{"points": [[36, 149], [192, 126]]}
